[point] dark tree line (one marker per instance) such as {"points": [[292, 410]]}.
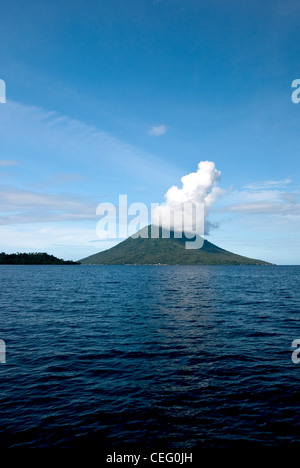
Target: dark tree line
{"points": [[35, 258]]}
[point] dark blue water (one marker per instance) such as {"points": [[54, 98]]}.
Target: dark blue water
{"points": [[152, 356]]}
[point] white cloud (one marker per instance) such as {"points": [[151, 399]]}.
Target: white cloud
{"points": [[262, 220], [266, 184], [266, 208], [24, 206], [56, 150], [198, 188], [263, 198], [8, 162], [69, 144], [59, 179], [158, 130], [71, 241]]}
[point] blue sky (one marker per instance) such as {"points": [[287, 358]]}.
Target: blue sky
{"points": [[112, 97]]}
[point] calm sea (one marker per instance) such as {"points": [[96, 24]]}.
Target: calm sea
{"points": [[170, 357]]}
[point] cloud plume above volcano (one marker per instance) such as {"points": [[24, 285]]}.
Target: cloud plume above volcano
{"points": [[199, 189]]}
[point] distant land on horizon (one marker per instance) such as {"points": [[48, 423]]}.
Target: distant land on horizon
{"points": [[35, 258], [166, 251]]}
